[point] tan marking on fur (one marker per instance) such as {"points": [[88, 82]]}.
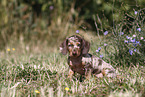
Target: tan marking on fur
{"points": [[70, 63], [88, 74], [70, 74], [103, 72]]}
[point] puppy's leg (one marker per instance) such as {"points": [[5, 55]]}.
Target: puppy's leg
{"points": [[107, 72], [104, 68], [70, 74], [88, 74], [110, 73], [99, 75]]}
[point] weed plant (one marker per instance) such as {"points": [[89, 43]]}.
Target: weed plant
{"points": [[125, 46]]}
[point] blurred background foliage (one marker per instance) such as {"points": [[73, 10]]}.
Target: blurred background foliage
{"points": [[49, 21]]}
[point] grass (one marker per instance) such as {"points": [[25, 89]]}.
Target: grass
{"points": [[30, 64], [45, 74]]}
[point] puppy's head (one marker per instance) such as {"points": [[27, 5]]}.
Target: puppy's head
{"points": [[75, 45]]}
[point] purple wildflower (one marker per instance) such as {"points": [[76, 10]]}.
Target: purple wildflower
{"points": [[130, 51], [139, 29], [135, 50], [137, 42], [101, 56], [133, 40], [127, 37], [125, 41], [99, 48], [134, 44], [121, 33], [106, 32], [77, 31], [51, 7]]}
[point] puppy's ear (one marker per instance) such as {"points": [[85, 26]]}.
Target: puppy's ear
{"points": [[63, 47], [85, 47]]}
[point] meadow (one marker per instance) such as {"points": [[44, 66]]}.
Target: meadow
{"points": [[32, 30], [37, 74]]}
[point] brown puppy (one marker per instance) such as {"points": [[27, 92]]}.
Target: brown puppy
{"points": [[81, 61]]}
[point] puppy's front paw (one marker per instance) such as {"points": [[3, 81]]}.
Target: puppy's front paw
{"points": [[100, 75], [70, 74]]}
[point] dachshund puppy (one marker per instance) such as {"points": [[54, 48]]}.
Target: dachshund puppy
{"points": [[81, 61]]}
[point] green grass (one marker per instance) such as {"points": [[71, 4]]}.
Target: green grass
{"points": [[22, 74], [36, 69]]}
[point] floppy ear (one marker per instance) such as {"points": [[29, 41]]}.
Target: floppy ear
{"points": [[63, 47], [85, 47]]}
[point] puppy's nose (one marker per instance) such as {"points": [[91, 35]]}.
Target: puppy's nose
{"points": [[74, 53]]}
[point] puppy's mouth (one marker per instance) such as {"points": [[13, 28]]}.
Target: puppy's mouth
{"points": [[74, 54]]}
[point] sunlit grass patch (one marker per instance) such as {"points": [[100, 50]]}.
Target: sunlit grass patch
{"points": [[48, 75]]}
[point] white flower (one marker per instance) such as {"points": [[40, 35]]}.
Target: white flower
{"points": [[22, 66], [35, 67], [97, 51], [135, 12], [134, 36], [105, 44], [141, 38], [38, 66]]}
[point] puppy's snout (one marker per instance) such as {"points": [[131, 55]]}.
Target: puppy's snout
{"points": [[74, 52]]}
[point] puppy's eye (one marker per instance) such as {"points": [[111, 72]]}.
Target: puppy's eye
{"points": [[70, 45], [78, 44]]}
